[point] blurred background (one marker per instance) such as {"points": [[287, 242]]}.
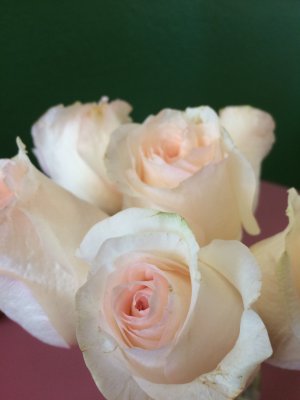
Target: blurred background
{"points": [[154, 54]]}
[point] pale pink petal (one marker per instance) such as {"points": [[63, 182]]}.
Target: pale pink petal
{"points": [[159, 174], [252, 130], [232, 374], [216, 297], [6, 195], [234, 261]]}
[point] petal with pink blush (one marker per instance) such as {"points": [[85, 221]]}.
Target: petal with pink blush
{"points": [[167, 152], [6, 195], [158, 173]]}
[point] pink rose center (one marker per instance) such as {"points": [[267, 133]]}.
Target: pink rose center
{"points": [[172, 154], [141, 307], [142, 303], [172, 150]]}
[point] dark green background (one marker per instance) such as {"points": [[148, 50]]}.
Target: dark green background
{"points": [[154, 54]]}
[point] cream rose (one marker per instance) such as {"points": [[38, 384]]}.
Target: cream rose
{"points": [[252, 131], [70, 143], [186, 163], [160, 318], [279, 304], [41, 225]]}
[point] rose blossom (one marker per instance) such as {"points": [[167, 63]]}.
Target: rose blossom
{"points": [[41, 225], [70, 143], [160, 318], [279, 304], [252, 131], [185, 162]]}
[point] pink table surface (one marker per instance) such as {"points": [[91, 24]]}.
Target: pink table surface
{"points": [[31, 370]]}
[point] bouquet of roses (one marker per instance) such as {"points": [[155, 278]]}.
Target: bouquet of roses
{"points": [[131, 248]]}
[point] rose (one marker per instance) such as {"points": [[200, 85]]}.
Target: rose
{"points": [[70, 143], [186, 163], [41, 225], [279, 304], [160, 318], [252, 131]]}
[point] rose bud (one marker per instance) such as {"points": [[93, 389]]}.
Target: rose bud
{"points": [[70, 143]]}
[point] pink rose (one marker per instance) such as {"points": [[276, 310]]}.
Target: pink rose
{"points": [[185, 162], [70, 143], [41, 226], [160, 318]]}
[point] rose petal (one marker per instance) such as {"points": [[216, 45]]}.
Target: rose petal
{"points": [[252, 130], [235, 262], [230, 378]]}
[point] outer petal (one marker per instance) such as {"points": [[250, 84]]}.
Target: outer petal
{"points": [[234, 261], [40, 229], [279, 304], [19, 303], [252, 130], [232, 374], [70, 143], [145, 220], [210, 312]]}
